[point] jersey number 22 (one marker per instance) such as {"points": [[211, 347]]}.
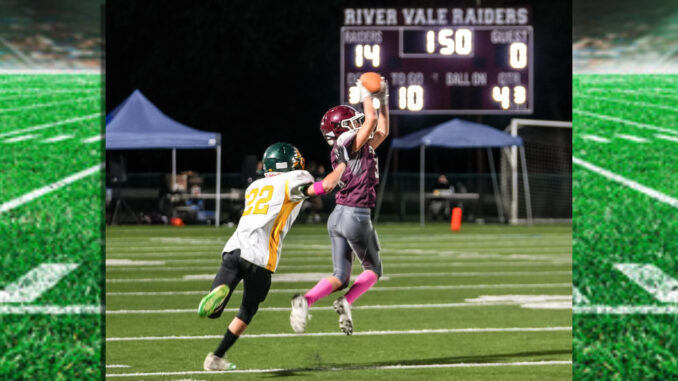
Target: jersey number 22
{"points": [[262, 197]]}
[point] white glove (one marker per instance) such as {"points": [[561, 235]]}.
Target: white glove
{"points": [[363, 91], [382, 95]]}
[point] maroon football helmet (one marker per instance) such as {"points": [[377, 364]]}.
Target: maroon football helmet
{"points": [[338, 120]]}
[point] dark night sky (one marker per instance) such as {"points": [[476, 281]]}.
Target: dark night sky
{"points": [[266, 71]]}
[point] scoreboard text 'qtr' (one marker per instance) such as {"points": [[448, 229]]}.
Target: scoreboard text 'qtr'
{"points": [[442, 60]]}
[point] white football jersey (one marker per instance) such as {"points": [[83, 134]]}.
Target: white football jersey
{"points": [[271, 206]]}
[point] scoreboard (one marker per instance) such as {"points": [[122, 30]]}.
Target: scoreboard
{"points": [[442, 60]]}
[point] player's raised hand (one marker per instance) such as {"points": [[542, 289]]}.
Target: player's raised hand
{"points": [[363, 91], [382, 94]]}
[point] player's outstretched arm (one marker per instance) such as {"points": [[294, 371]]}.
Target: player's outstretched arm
{"points": [[370, 123], [381, 132], [328, 183]]}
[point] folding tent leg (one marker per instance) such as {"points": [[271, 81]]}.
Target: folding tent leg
{"points": [[174, 169], [495, 186]]}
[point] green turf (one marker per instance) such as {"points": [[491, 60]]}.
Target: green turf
{"points": [[615, 224], [63, 226], [413, 256]]}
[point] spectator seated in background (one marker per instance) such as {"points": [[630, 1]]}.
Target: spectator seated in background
{"points": [[440, 208]]}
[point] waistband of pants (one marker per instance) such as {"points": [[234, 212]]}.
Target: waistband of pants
{"points": [[353, 209]]}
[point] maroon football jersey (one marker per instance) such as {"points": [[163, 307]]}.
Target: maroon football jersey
{"points": [[361, 176]]}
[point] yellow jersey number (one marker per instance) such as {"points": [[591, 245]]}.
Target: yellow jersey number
{"points": [[261, 196]]}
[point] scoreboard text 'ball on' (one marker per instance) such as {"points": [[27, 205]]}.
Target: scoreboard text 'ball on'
{"points": [[371, 81]]}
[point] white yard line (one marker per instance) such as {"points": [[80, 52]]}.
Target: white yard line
{"points": [[315, 276], [632, 103], [659, 196], [632, 138], [624, 121], [661, 286], [349, 367], [578, 297], [650, 93], [57, 138], [666, 137], [35, 282], [366, 333], [595, 138], [49, 310], [624, 310], [44, 92], [50, 104], [114, 366], [93, 139], [515, 300], [20, 138], [327, 264], [50, 125], [9, 205], [373, 289]]}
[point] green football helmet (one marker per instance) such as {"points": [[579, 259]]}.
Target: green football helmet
{"points": [[282, 157]]}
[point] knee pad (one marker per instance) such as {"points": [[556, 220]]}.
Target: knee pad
{"points": [[246, 313]]}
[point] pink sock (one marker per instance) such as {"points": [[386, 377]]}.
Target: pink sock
{"points": [[362, 283], [319, 291]]}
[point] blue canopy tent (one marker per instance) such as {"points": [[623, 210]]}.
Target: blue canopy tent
{"points": [[457, 133], [138, 124]]}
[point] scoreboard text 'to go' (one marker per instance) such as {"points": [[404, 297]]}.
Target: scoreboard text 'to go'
{"points": [[441, 60]]}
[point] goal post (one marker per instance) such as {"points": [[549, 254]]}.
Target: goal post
{"points": [[546, 161]]}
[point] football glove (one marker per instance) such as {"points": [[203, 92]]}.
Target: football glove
{"points": [[382, 95], [363, 91]]}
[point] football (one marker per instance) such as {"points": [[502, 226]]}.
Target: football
{"points": [[371, 81]]}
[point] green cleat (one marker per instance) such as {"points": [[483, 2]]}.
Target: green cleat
{"points": [[212, 301]]}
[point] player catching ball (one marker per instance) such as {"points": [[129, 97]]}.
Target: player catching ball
{"points": [[353, 137], [253, 251]]}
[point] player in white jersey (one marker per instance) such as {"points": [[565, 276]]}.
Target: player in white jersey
{"points": [[253, 251]]}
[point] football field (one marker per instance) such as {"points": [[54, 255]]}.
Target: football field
{"points": [[50, 226], [488, 302], [625, 231]]}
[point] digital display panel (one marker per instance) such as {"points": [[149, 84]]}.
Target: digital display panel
{"points": [[442, 60]]}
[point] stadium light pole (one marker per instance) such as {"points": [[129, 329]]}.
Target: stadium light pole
{"points": [[174, 169]]}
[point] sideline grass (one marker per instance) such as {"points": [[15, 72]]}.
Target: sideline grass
{"points": [[615, 224], [63, 226]]}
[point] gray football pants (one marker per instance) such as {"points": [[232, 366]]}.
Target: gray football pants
{"points": [[351, 231]]}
